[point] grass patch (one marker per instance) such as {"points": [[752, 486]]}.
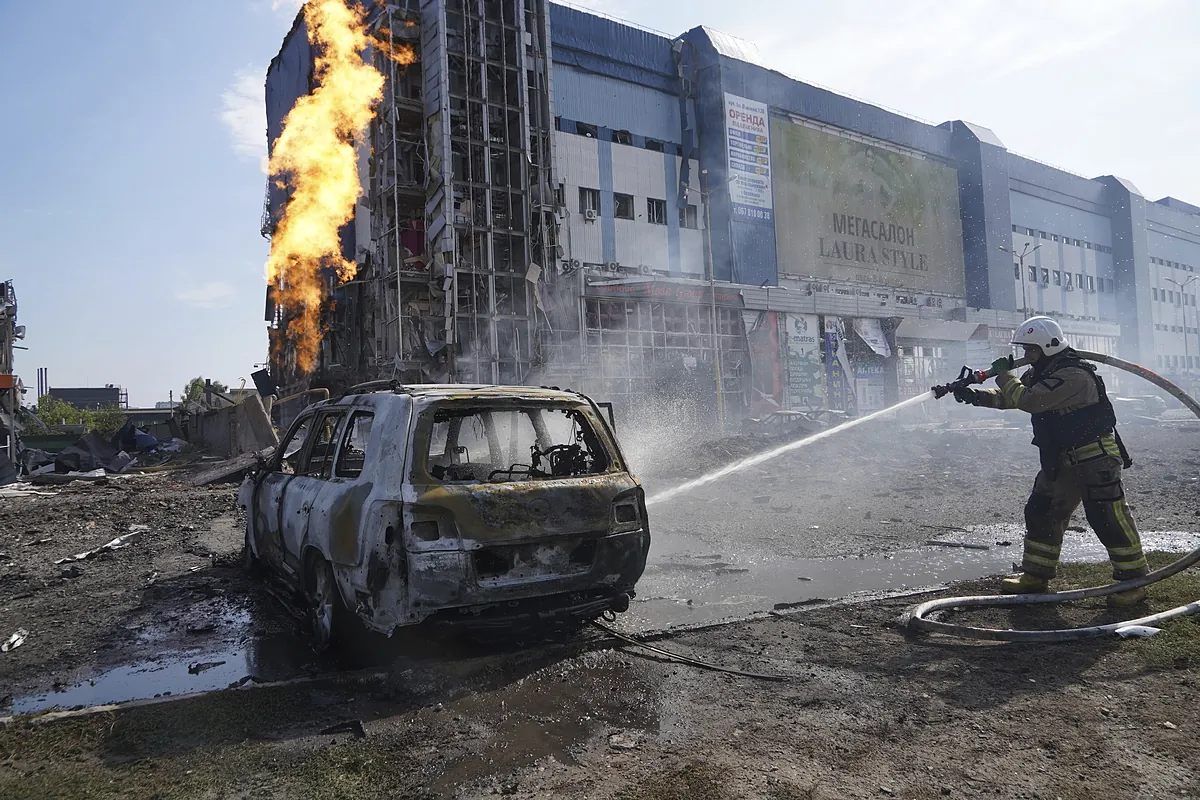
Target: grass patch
{"points": [[692, 781], [215, 745], [1178, 645]]}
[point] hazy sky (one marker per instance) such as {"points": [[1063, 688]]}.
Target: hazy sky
{"points": [[131, 142]]}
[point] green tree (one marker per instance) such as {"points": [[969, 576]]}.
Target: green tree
{"points": [[104, 421], [193, 392], [53, 411]]}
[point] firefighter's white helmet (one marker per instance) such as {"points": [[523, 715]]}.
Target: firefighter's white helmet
{"points": [[1044, 332]]}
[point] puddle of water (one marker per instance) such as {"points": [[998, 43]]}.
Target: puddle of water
{"points": [[682, 589], [271, 658]]}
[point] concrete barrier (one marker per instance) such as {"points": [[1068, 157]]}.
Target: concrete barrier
{"points": [[232, 431]]}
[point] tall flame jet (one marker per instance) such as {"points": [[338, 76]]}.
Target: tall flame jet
{"points": [[315, 155]]}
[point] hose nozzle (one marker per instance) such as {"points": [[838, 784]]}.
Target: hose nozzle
{"points": [[967, 377]]}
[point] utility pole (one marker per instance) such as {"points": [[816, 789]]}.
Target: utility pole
{"points": [[1187, 353], [1025, 251]]}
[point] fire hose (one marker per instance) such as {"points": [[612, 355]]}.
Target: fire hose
{"points": [[915, 618]]}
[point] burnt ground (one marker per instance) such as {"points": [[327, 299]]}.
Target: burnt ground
{"points": [[864, 711]]}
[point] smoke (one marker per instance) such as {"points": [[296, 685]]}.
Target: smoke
{"points": [[315, 156]]}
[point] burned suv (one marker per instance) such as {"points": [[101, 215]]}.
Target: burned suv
{"points": [[491, 506]]}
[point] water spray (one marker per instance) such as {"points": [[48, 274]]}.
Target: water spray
{"points": [[768, 455]]}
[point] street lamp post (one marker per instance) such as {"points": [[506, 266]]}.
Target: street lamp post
{"points": [[1187, 354], [1025, 251]]}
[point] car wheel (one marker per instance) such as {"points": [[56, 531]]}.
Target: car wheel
{"points": [[325, 609], [250, 564]]}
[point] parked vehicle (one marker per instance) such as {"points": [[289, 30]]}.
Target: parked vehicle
{"points": [[1146, 405], [489, 506]]}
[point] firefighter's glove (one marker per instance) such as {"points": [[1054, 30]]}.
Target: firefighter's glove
{"points": [[968, 396], [1002, 365]]}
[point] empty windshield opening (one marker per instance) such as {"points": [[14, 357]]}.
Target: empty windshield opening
{"points": [[497, 445]]}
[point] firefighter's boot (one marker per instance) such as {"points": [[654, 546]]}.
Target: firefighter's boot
{"points": [[1024, 584], [1127, 599]]}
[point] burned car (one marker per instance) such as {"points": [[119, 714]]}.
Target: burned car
{"points": [[490, 506]]}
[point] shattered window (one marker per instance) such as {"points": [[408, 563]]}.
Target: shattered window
{"points": [[495, 445], [292, 449], [320, 456], [353, 456]]}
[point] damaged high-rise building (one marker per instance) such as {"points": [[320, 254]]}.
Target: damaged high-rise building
{"points": [[554, 197], [456, 222]]}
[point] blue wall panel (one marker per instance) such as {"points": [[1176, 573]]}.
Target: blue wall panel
{"points": [[1041, 214], [611, 103], [606, 47], [672, 184], [608, 225], [289, 77]]}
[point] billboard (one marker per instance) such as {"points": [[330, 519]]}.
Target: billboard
{"points": [[748, 152], [805, 385], [851, 210]]}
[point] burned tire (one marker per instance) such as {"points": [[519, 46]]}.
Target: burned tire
{"points": [[327, 613], [249, 562]]}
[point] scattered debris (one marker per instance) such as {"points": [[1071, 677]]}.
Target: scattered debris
{"points": [[70, 572], [624, 740], [14, 641], [115, 544], [1137, 631], [353, 726], [19, 490], [203, 627], [803, 578], [967, 545], [63, 478], [232, 468], [731, 571], [1170, 726], [203, 666], [43, 540], [809, 602]]}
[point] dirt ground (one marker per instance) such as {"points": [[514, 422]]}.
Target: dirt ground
{"points": [[864, 709]]}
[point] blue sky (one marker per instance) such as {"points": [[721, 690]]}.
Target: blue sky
{"points": [[131, 141]]}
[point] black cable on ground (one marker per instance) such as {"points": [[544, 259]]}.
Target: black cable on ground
{"points": [[685, 659]]}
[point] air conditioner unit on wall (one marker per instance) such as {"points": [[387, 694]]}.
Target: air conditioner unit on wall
{"points": [[612, 266], [645, 269], [590, 215]]}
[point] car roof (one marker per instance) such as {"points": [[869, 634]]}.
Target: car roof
{"points": [[468, 391]]}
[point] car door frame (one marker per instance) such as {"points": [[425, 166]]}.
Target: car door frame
{"points": [[302, 492], [267, 501]]}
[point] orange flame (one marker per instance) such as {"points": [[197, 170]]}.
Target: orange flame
{"points": [[316, 154]]}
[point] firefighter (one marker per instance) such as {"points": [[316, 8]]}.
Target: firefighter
{"points": [[1081, 455]]}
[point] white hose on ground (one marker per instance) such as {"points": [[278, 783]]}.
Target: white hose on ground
{"points": [[915, 617]]}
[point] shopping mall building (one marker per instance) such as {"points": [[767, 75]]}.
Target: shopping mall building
{"points": [[856, 255]]}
